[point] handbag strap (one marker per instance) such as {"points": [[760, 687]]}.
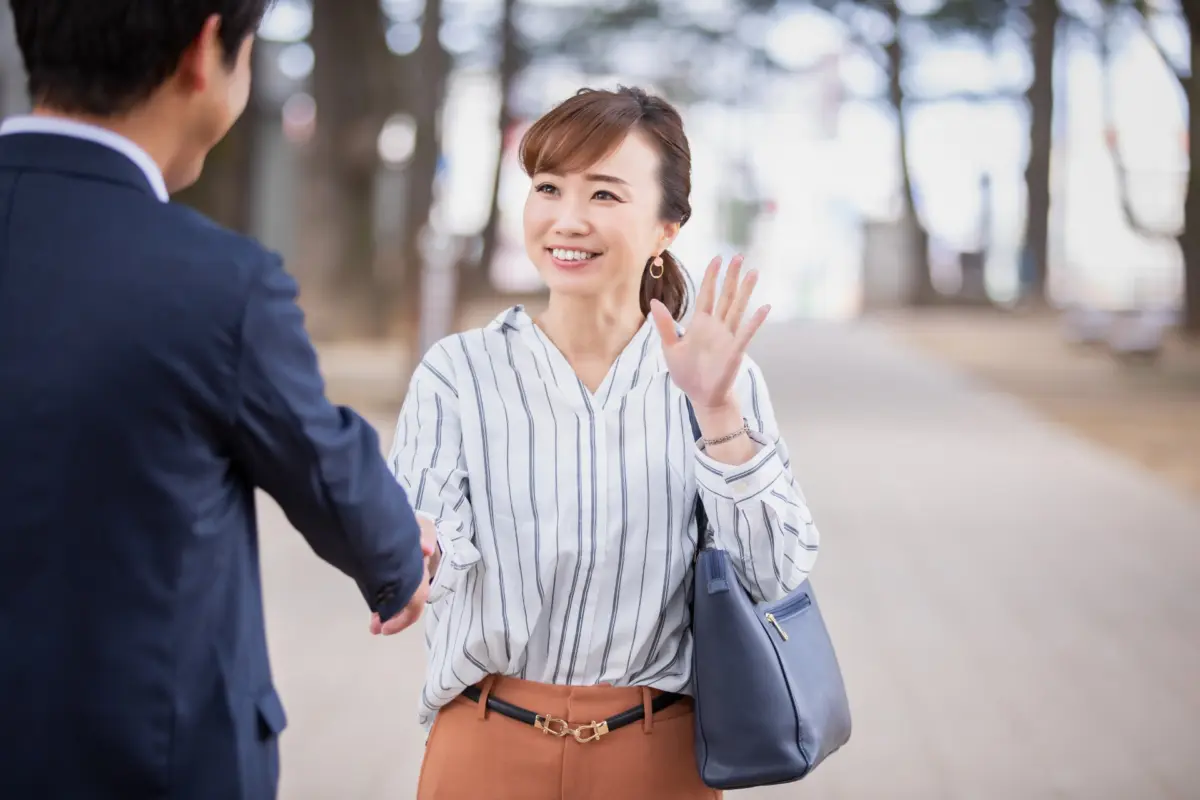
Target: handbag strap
{"points": [[701, 515]]}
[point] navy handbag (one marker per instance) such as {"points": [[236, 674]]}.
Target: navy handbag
{"points": [[770, 701]]}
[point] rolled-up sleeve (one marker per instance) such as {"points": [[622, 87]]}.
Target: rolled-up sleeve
{"points": [[756, 510], [427, 459]]}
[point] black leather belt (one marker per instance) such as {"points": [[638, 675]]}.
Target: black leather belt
{"points": [[560, 727]]}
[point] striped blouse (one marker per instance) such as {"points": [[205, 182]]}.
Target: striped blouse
{"points": [[566, 518]]}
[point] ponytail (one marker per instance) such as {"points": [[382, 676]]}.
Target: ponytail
{"points": [[670, 289]]}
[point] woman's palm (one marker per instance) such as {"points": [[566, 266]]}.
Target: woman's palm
{"points": [[705, 362]]}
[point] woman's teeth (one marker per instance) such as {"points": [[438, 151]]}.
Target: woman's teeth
{"points": [[571, 255]]}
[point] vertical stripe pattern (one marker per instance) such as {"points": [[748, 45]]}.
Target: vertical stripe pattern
{"points": [[565, 518]]}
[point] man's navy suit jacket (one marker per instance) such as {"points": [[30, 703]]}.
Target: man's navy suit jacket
{"points": [[155, 371]]}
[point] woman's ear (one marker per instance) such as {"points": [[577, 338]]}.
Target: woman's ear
{"points": [[669, 232]]}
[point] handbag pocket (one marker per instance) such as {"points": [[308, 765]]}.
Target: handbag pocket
{"points": [[786, 609], [789, 710], [810, 668]]}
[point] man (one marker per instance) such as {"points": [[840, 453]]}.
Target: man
{"points": [[155, 371]]}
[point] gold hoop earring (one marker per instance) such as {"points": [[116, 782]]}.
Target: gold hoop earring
{"points": [[657, 262]]}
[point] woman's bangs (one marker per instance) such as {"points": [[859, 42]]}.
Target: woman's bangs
{"points": [[572, 142]]}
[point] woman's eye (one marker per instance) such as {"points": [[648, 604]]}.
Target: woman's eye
{"points": [[546, 188], [603, 195]]}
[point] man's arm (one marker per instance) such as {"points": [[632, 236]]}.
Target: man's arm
{"points": [[321, 463]]}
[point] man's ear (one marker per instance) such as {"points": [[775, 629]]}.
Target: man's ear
{"points": [[204, 51]]}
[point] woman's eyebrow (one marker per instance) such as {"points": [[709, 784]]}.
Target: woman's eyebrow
{"points": [[594, 177], [598, 178]]}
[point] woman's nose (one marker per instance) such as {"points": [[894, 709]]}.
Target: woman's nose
{"points": [[571, 220]]}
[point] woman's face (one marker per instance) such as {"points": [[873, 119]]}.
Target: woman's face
{"points": [[591, 232]]}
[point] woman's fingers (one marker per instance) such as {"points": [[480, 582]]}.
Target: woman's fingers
{"points": [[708, 287], [664, 323], [746, 332], [734, 319], [728, 288]]}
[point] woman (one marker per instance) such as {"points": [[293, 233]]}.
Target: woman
{"points": [[555, 458]]}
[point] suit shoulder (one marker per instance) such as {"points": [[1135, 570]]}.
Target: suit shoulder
{"points": [[216, 242], [218, 269]]}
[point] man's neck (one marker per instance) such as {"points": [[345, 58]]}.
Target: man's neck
{"points": [[134, 126]]}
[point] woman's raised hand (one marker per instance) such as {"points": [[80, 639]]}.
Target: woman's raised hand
{"points": [[704, 364]]}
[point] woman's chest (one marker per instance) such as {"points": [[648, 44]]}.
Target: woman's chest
{"points": [[535, 459]]}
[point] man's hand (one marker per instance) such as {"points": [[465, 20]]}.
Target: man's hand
{"points": [[429, 545], [407, 615], [412, 612]]}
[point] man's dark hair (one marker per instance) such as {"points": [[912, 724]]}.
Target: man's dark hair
{"points": [[104, 57]]}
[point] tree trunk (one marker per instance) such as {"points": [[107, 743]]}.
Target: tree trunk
{"points": [[922, 291], [1040, 97], [427, 75], [14, 97], [1189, 239], [511, 59], [1189, 243], [350, 84]]}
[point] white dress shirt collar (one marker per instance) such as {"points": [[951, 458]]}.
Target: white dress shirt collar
{"points": [[92, 133]]}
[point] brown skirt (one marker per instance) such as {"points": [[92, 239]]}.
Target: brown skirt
{"points": [[474, 752]]}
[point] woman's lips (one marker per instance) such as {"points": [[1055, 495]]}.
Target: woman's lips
{"points": [[571, 264]]}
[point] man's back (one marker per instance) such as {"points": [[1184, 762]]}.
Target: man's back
{"points": [[154, 371]]}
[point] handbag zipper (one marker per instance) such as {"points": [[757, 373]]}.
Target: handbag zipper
{"points": [[793, 605], [790, 608]]}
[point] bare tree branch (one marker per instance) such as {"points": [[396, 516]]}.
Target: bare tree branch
{"points": [[1108, 9], [1011, 95], [872, 50], [1144, 23], [1114, 148]]}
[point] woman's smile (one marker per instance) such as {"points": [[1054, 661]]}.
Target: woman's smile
{"points": [[572, 259]]}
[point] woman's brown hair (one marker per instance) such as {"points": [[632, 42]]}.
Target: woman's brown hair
{"points": [[592, 124]]}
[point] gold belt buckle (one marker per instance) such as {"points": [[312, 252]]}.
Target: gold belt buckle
{"points": [[591, 732], [560, 727], [551, 725]]}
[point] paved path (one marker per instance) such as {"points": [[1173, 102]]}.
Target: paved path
{"points": [[1017, 611]]}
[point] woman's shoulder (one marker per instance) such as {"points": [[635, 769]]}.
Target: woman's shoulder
{"points": [[471, 344]]}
